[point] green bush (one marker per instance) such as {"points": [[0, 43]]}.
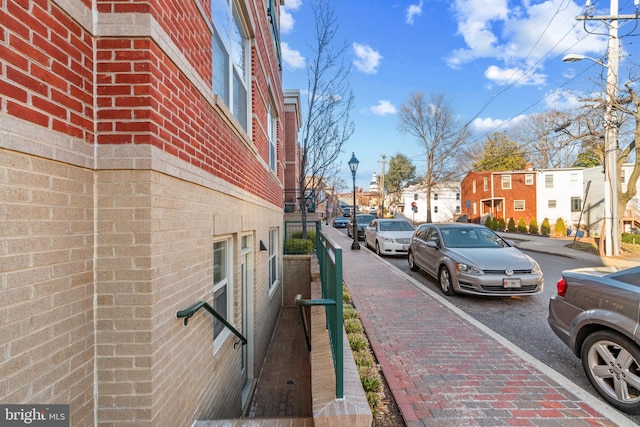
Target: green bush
{"points": [[298, 246], [559, 228], [488, 223], [494, 223], [363, 358], [522, 226], [533, 226], [501, 225], [370, 378], [545, 228], [357, 341], [511, 225], [634, 239], [353, 326], [311, 235], [348, 312]]}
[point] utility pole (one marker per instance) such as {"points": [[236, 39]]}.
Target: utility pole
{"points": [[611, 183], [384, 158]]}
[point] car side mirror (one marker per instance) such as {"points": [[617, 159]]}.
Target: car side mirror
{"points": [[432, 244]]}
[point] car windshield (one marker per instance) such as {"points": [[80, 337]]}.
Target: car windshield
{"points": [[395, 226], [365, 219], [471, 238]]}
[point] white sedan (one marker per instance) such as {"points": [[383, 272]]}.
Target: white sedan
{"points": [[389, 236]]}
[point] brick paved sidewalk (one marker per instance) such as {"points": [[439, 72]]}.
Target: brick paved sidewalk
{"points": [[445, 369]]}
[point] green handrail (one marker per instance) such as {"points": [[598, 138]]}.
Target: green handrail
{"points": [[330, 260], [189, 311]]}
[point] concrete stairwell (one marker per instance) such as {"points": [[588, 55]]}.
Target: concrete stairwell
{"points": [[295, 388]]}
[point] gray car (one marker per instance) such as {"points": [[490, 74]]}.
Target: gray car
{"points": [[472, 259], [596, 313]]}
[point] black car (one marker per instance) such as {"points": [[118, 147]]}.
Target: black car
{"points": [[362, 220]]}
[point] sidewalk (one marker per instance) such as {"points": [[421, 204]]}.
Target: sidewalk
{"points": [[446, 369]]}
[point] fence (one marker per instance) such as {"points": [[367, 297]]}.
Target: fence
{"points": [[293, 242]]}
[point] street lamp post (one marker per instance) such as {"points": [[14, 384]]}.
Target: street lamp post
{"points": [[611, 245], [353, 165]]}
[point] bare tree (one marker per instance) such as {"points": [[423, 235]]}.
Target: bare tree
{"points": [[327, 124], [434, 123], [547, 142]]}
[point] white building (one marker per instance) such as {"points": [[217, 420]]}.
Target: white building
{"points": [[445, 203]]}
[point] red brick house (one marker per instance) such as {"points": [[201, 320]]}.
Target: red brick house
{"points": [[142, 152], [505, 194]]}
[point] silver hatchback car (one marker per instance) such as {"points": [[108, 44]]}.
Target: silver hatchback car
{"points": [[472, 259], [596, 313]]}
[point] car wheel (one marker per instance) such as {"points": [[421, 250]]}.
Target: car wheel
{"points": [[611, 362], [444, 277], [378, 249], [412, 262]]}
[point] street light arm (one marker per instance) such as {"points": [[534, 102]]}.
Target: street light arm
{"points": [[575, 57]]}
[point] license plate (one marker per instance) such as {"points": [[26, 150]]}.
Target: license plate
{"points": [[511, 283]]}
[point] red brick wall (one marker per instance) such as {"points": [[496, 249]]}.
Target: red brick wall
{"points": [[46, 68]]}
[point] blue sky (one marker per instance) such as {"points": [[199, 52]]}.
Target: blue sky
{"points": [[495, 61]]}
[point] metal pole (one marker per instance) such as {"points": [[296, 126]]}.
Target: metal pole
{"points": [[355, 244]]}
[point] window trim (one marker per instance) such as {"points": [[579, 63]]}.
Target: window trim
{"points": [[528, 179], [224, 44], [505, 182], [274, 250], [516, 203], [228, 283]]}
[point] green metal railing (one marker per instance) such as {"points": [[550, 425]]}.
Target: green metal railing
{"points": [[189, 311], [330, 261]]}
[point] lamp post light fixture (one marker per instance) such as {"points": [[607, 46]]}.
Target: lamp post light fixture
{"points": [[353, 165], [611, 225]]}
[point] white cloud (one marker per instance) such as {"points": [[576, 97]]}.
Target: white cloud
{"points": [[525, 35], [413, 11], [367, 59], [291, 58], [286, 21], [489, 125], [514, 76], [384, 107], [564, 100]]}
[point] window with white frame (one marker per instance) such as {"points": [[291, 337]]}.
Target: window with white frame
{"points": [[435, 196], [271, 136], [435, 209], [231, 64], [273, 257], [518, 205], [552, 204], [457, 208], [528, 179], [576, 204], [506, 182], [222, 287], [457, 196], [548, 181], [475, 208], [473, 186], [485, 183]]}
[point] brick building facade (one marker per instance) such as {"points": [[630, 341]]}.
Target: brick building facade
{"points": [[141, 162]]}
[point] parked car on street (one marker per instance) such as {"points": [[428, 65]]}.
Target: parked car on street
{"points": [[472, 259], [595, 313], [340, 222], [389, 236], [362, 221]]}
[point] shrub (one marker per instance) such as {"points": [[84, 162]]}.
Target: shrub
{"points": [[522, 226], [370, 378], [632, 238], [298, 246], [545, 228], [501, 224], [511, 225], [353, 326], [494, 223], [357, 341], [533, 226], [559, 228], [363, 358], [311, 235], [345, 294], [488, 222], [348, 312]]}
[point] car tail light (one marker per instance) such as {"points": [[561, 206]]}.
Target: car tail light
{"points": [[562, 287]]}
